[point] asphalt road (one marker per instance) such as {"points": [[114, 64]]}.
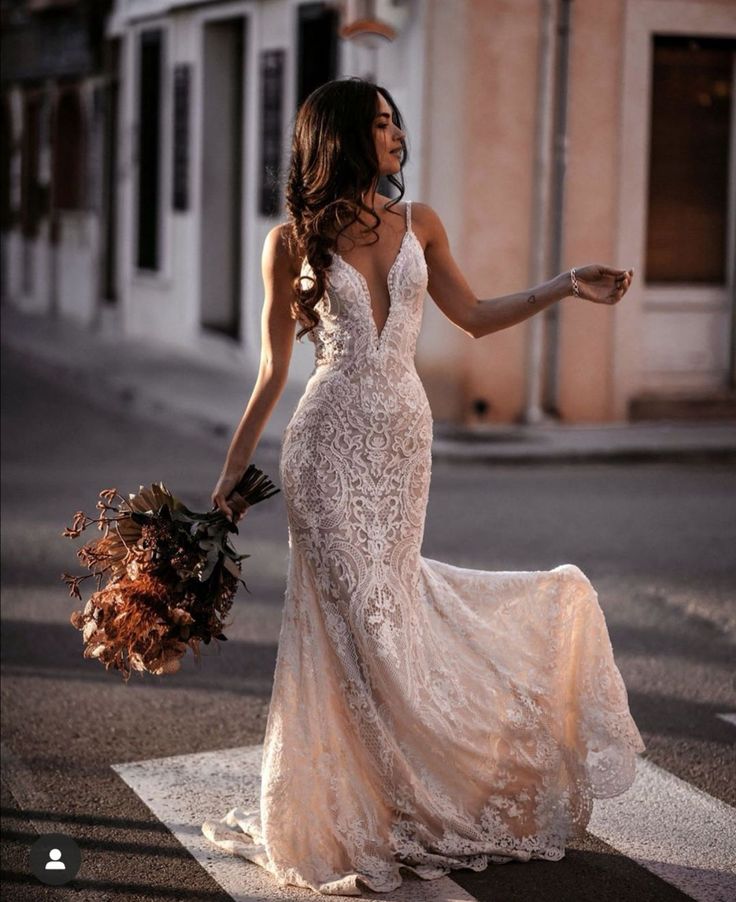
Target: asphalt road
{"points": [[656, 540]]}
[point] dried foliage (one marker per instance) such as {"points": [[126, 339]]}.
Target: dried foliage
{"points": [[170, 576]]}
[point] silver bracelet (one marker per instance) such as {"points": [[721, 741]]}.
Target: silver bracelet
{"points": [[575, 288]]}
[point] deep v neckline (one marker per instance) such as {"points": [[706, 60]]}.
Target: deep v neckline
{"points": [[366, 290]]}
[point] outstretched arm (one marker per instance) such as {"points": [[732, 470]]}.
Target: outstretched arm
{"points": [[452, 294]]}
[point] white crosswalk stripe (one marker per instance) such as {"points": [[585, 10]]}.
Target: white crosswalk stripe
{"points": [[667, 826], [184, 790], [674, 830]]}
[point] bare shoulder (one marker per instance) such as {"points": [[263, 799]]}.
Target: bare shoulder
{"points": [[428, 225], [277, 254]]}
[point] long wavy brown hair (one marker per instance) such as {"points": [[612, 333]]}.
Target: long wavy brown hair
{"points": [[333, 163]]}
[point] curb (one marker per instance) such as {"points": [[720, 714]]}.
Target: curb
{"points": [[457, 453], [659, 442]]}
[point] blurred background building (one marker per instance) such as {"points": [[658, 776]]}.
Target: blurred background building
{"points": [[144, 142]]}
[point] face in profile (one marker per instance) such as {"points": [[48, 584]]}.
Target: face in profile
{"points": [[389, 138]]}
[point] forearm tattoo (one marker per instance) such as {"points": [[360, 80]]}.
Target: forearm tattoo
{"points": [[532, 299]]}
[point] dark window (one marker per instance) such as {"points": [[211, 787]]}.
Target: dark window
{"points": [[317, 48], [182, 82], [7, 218], [691, 113], [31, 198], [272, 96], [111, 97], [149, 155], [69, 148]]}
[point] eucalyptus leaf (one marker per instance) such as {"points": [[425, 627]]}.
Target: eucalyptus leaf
{"points": [[231, 566]]}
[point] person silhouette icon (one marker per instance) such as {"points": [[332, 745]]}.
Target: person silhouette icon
{"points": [[55, 864], [55, 858]]}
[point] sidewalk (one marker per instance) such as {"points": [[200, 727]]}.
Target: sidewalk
{"points": [[173, 386]]}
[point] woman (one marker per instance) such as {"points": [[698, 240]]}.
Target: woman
{"points": [[424, 716]]}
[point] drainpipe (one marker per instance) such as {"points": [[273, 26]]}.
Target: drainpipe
{"points": [[547, 225], [542, 180], [551, 386]]}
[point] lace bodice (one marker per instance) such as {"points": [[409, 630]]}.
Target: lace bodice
{"points": [[347, 333], [363, 426]]}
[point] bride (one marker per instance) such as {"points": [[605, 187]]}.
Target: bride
{"points": [[424, 716]]}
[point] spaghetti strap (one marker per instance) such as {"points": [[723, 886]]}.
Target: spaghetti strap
{"points": [[408, 216]]}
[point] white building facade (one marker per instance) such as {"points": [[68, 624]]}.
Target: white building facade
{"points": [[546, 133], [226, 80]]}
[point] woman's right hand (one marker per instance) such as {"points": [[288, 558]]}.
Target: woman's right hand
{"points": [[232, 504]]}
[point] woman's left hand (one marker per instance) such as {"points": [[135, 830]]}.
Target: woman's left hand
{"points": [[602, 284]]}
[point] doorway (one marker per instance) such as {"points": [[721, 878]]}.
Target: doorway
{"points": [[674, 341], [221, 241], [690, 228]]}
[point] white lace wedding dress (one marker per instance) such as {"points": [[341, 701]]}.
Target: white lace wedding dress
{"points": [[423, 716]]}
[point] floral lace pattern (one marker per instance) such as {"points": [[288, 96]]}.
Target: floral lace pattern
{"points": [[423, 716]]}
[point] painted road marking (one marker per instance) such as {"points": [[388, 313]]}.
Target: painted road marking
{"points": [[185, 790], [729, 718], [674, 830]]}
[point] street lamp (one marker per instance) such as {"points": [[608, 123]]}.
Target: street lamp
{"points": [[371, 24]]}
